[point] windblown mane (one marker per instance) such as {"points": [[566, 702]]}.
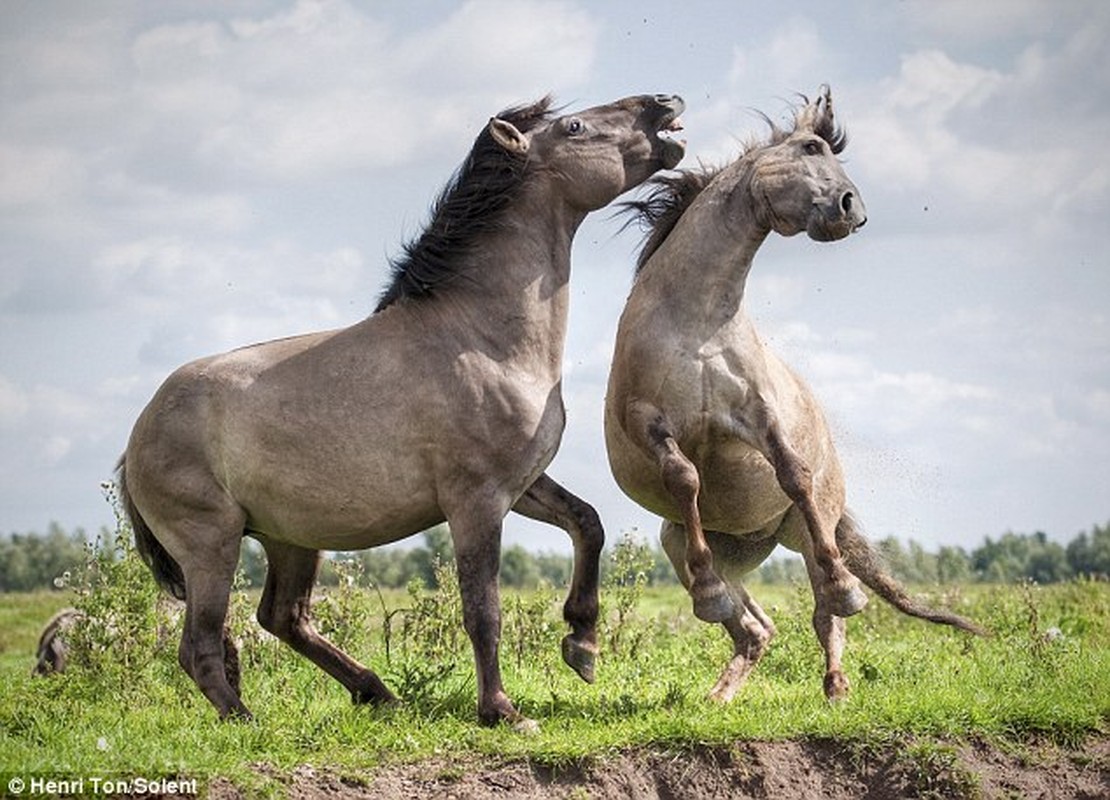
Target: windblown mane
{"points": [[669, 195], [667, 199], [470, 205]]}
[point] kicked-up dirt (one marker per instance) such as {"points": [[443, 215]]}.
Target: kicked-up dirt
{"points": [[784, 770]]}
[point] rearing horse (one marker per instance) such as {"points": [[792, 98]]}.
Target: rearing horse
{"points": [[444, 404], [707, 427]]}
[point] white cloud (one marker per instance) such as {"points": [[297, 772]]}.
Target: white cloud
{"points": [[14, 404], [324, 86], [38, 176], [789, 58], [992, 20], [909, 136], [512, 43]]}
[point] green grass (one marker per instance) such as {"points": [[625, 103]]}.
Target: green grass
{"points": [[909, 678]]}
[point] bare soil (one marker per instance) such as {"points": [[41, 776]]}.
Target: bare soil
{"points": [[789, 770]]}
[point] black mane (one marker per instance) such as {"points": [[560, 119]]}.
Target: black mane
{"points": [[470, 205], [669, 195]]}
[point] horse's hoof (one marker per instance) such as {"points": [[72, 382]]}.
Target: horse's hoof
{"points": [[524, 726], [836, 687], [714, 604], [580, 657], [238, 714], [374, 694], [846, 602]]}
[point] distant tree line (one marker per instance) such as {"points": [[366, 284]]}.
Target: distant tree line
{"points": [[34, 561]]}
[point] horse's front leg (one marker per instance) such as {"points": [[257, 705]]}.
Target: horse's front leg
{"points": [[650, 427], [822, 512], [477, 541], [547, 501]]}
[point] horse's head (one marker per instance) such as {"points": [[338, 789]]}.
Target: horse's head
{"points": [[594, 155], [797, 182]]}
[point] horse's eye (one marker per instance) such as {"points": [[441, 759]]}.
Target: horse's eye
{"points": [[812, 148], [574, 127]]}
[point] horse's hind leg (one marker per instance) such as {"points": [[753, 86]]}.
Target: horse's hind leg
{"points": [[830, 628], [202, 653], [547, 501], [750, 629], [831, 632], [285, 612]]}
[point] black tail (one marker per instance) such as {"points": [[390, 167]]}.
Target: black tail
{"points": [[167, 572], [865, 563]]}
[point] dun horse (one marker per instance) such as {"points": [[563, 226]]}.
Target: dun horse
{"points": [[444, 404], [709, 429]]}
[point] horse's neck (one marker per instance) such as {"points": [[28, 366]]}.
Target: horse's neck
{"points": [[513, 300], [702, 267]]}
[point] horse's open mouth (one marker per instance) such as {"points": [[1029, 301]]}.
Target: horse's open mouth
{"points": [[673, 148]]}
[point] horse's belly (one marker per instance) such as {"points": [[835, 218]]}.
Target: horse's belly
{"points": [[350, 509], [738, 493], [739, 490]]}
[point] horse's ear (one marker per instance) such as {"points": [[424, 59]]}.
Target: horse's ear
{"points": [[507, 136], [825, 106], [818, 114]]}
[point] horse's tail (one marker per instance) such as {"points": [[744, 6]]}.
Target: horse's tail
{"points": [[865, 563], [167, 572]]}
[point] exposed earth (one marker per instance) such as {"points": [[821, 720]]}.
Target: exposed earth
{"points": [[789, 770]]}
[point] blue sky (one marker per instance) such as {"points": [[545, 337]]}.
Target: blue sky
{"points": [[179, 178]]}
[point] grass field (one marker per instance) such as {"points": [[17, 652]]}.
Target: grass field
{"points": [[127, 709]]}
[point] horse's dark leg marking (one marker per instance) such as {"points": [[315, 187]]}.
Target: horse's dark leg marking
{"points": [[547, 501], [202, 653], [285, 612], [477, 540]]}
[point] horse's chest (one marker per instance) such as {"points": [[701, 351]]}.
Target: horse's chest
{"points": [[715, 397]]}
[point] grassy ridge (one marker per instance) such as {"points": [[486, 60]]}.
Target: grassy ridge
{"points": [[129, 710]]}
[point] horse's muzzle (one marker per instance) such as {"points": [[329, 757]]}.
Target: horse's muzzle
{"points": [[835, 220]]}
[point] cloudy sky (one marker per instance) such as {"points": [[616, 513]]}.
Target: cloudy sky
{"points": [[179, 178]]}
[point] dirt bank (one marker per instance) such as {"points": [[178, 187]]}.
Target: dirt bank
{"points": [[793, 770]]}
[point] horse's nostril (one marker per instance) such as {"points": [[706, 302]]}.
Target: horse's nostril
{"points": [[846, 203]]}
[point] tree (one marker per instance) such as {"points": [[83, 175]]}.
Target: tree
{"points": [[1090, 555], [33, 561], [519, 569], [953, 565]]}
